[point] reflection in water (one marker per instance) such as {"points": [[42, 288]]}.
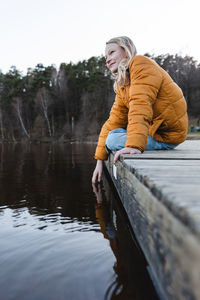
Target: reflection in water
{"points": [[131, 280], [60, 237]]}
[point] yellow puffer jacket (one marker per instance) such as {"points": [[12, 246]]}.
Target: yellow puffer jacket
{"points": [[152, 104]]}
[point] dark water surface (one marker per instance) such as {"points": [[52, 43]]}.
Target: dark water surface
{"points": [[59, 237]]}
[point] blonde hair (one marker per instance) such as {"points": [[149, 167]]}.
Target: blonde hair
{"points": [[122, 76]]}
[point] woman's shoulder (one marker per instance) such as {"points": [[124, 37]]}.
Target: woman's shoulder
{"points": [[140, 63], [141, 59]]}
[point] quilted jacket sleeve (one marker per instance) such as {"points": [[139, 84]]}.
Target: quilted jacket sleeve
{"points": [[145, 83], [118, 119]]}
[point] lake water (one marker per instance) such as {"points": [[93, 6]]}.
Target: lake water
{"points": [[60, 237]]}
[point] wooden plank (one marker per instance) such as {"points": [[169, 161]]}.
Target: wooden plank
{"points": [[170, 245], [175, 154], [161, 163], [160, 191], [187, 150], [189, 145], [175, 183]]}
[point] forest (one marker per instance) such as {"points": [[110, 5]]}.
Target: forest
{"points": [[73, 102]]}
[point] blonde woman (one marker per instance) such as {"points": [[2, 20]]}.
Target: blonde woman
{"points": [[149, 112]]}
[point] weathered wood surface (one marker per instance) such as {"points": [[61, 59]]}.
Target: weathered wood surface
{"points": [[160, 191]]}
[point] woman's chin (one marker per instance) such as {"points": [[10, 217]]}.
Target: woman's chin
{"points": [[113, 70]]}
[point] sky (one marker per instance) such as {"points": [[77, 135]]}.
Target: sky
{"points": [[57, 31]]}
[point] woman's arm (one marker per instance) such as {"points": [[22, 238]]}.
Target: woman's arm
{"points": [[97, 174], [118, 119]]}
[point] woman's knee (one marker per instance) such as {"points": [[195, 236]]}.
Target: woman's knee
{"points": [[116, 139], [111, 141]]}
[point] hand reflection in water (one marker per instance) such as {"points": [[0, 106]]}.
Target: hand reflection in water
{"points": [[130, 280], [121, 287], [98, 192], [104, 219]]}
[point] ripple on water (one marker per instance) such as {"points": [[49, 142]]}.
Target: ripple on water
{"points": [[14, 218], [47, 262]]}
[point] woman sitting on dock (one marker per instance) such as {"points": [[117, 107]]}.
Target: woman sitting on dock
{"points": [[149, 112]]}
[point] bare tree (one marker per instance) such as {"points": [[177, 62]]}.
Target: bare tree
{"points": [[43, 100], [17, 103], [1, 121], [1, 115]]}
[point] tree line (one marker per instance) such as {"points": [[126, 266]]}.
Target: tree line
{"points": [[74, 101]]}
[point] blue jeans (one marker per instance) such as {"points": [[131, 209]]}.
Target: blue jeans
{"points": [[116, 140]]}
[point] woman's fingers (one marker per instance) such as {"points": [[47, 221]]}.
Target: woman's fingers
{"points": [[97, 175], [94, 176], [117, 155], [125, 151]]}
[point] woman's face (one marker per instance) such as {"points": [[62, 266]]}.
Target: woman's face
{"points": [[114, 54]]}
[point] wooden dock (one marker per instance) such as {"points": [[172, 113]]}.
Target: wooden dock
{"points": [[160, 191]]}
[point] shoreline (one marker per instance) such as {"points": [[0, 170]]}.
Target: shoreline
{"points": [[93, 140]]}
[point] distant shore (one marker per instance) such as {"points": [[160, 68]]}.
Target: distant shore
{"points": [[88, 140]]}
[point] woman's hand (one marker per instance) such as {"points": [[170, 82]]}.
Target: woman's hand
{"points": [[97, 174], [125, 151]]}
